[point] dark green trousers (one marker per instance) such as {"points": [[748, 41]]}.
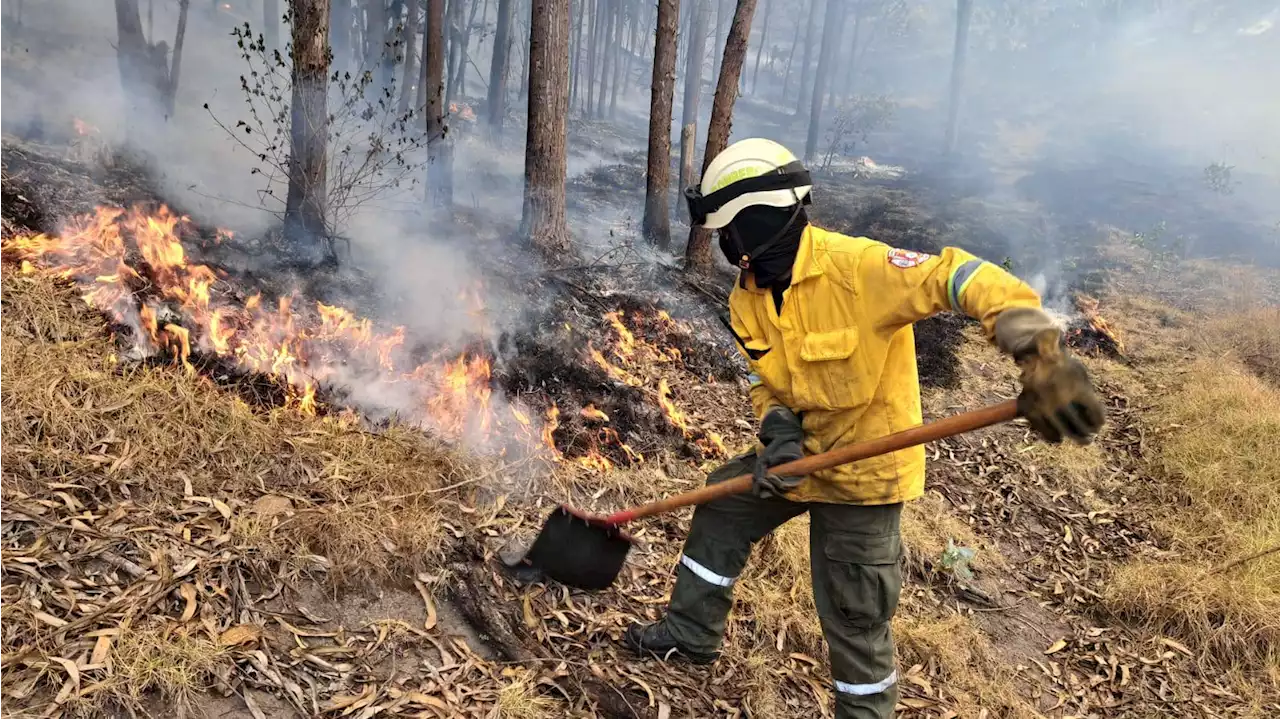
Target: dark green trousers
{"points": [[856, 554]]}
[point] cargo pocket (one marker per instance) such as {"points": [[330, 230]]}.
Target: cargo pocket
{"points": [[864, 576], [830, 370]]}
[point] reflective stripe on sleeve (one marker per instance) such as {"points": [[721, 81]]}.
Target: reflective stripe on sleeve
{"points": [[754, 379], [705, 574], [959, 279], [863, 690]]}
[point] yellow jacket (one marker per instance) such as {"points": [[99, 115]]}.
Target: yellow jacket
{"points": [[842, 352]]}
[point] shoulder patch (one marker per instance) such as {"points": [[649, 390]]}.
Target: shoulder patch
{"points": [[906, 259]]}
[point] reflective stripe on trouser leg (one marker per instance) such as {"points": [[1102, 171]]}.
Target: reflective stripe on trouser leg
{"points": [[705, 574], [857, 576], [719, 542], [862, 690]]}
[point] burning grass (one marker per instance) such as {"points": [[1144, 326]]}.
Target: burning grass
{"points": [[140, 502]]}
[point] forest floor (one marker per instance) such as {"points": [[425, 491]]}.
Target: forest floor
{"points": [[183, 537]]}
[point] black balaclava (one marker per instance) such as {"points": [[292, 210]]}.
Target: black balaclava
{"points": [[777, 232]]}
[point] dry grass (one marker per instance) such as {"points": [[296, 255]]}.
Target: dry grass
{"points": [[1252, 334], [140, 471], [71, 414], [777, 589], [1219, 450], [165, 660], [929, 522], [519, 698], [967, 666]]}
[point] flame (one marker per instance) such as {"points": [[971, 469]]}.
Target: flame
{"points": [[83, 128], [1088, 307], [590, 412], [549, 428], [674, 415], [132, 265]]}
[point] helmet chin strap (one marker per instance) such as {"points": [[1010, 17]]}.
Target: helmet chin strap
{"points": [[744, 261]]}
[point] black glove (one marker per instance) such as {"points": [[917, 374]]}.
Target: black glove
{"points": [[1057, 397], [781, 434]]}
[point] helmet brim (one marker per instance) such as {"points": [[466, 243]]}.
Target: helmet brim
{"points": [[770, 198]]}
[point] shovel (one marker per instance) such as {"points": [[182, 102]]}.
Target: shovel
{"points": [[587, 551]]}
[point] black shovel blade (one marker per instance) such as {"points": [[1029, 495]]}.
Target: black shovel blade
{"points": [[579, 551]]}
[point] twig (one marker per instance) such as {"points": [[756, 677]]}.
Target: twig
{"points": [[1242, 560]]}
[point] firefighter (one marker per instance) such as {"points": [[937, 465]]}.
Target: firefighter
{"points": [[825, 323]]}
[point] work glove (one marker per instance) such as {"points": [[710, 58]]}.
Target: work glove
{"points": [[781, 434], [1057, 398]]}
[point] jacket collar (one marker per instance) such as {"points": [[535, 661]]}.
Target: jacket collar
{"points": [[806, 265]]}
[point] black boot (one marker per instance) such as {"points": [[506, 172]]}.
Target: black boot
{"points": [[655, 639]]}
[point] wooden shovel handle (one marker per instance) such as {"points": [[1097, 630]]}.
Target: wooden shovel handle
{"points": [[929, 432]]}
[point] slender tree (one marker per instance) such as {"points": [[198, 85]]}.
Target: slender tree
{"points": [[592, 45], [810, 40], [543, 223], [410, 55], [830, 37], [375, 14], [144, 71], [693, 79], [764, 41], [616, 48], [606, 50], [795, 40], [717, 50], [964, 9], [304, 215], [575, 70], [498, 67], [171, 90], [439, 162], [391, 45], [698, 252], [657, 216]]}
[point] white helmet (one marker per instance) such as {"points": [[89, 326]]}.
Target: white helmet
{"points": [[749, 172]]}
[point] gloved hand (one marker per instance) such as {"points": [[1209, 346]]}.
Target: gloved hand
{"points": [[1057, 398], [781, 434]]}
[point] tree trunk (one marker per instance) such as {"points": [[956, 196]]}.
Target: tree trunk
{"points": [[498, 67], [171, 92], [795, 40], [810, 39], [606, 49], [717, 50], [453, 24], [764, 42], [374, 32], [575, 71], [855, 56], [543, 222], [144, 71], [526, 57], [693, 76], [466, 48], [410, 56], [836, 54], [698, 253], [592, 45], [304, 215], [830, 32], [657, 214], [633, 41], [616, 47], [271, 24], [439, 161], [391, 45], [340, 34], [964, 9]]}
